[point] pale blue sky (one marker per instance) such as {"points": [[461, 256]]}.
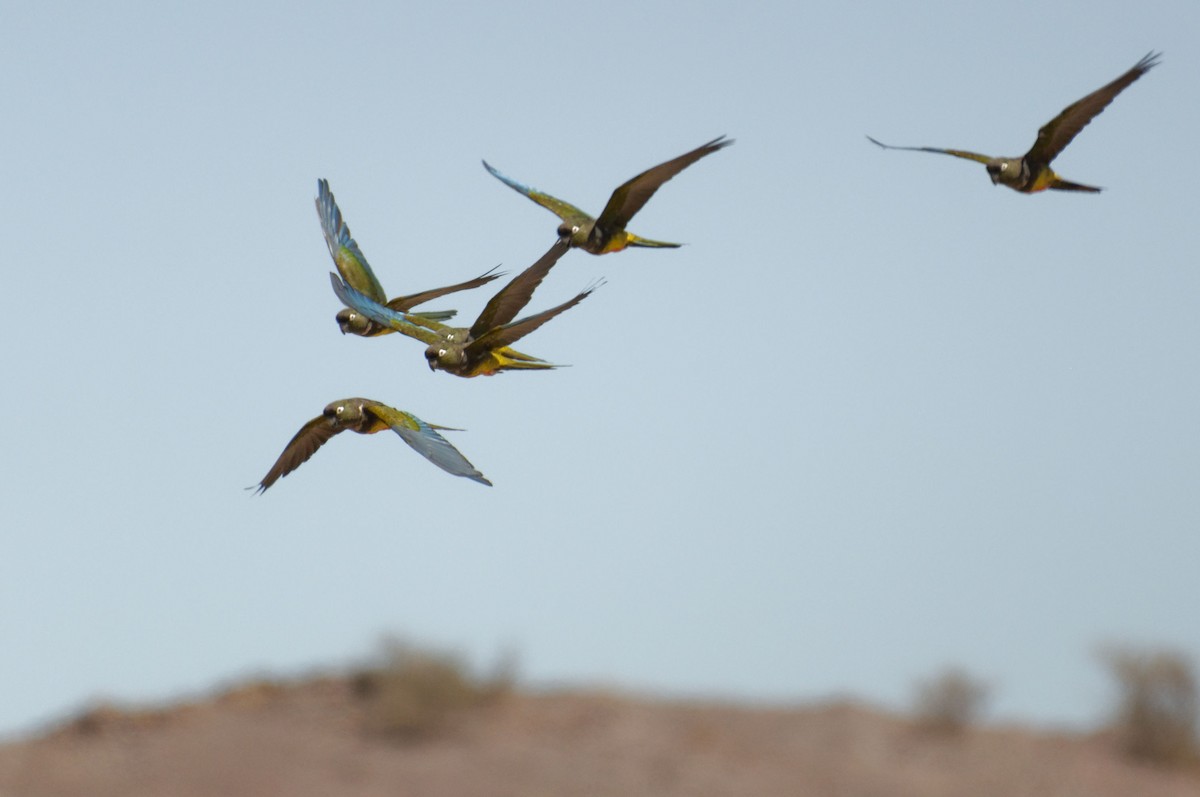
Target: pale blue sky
{"points": [[878, 416]]}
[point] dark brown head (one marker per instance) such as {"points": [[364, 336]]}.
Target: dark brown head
{"points": [[354, 323], [1001, 170], [346, 413]]}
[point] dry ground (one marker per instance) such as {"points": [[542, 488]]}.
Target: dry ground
{"points": [[310, 738]]}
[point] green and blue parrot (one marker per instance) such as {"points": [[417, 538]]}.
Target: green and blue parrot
{"points": [[607, 233], [483, 349], [1031, 172], [368, 417], [355, 270]]}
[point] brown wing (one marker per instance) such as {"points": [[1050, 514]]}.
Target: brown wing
{"points": [[406, 303], [958, 153], [311, 436], [1056, 134], [629, 198], [507, 335], [513, 297]]}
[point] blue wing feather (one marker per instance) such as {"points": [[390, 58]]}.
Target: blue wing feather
{"points": [[361, 303], [437, 449], [343, 247]]}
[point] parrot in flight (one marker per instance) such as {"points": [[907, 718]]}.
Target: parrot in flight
{"points": [[607, 233], [482, 349], [368, 417], [353, 267], [1031, 172]]}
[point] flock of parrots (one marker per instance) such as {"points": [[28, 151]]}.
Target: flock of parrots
{"points": [[483, 349]]}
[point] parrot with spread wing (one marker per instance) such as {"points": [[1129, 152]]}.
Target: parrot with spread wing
{"points": [[607, 233], [1031, 172], [368, 417], [481, 350], [355, 270]]}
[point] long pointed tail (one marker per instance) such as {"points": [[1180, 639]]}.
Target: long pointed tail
{"points": [[513, 364], [1060, 184], [513, 354], [634, 240], [436, 315]]}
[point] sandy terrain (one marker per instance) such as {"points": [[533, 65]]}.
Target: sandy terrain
{"points": [[311, 738]]}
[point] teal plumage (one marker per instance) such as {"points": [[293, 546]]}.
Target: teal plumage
{"points": [[353, 266]]}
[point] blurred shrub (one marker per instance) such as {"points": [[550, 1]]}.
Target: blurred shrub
{"points": [[950, 701], [105, 717], [1157, 704], [413, 693]]}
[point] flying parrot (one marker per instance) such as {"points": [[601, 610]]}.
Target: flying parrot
{"points": [[481, 350], [607, 233], [357, 272], [1031, 172], [368, 417]]}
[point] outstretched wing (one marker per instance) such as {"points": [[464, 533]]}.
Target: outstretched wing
{"points": [[380, 314], [299, 449], [424, 439], [507, 335], [513, 297], [406, 303], [1056, 134], [343, 248], [630, 196], [564, 210], [958, 153]]}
